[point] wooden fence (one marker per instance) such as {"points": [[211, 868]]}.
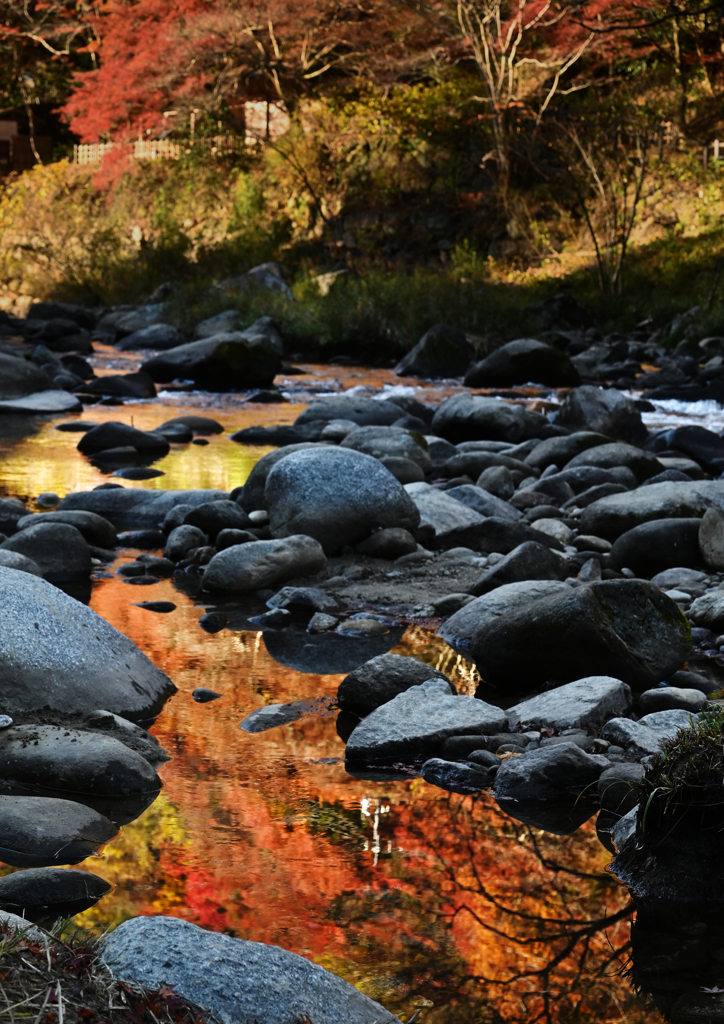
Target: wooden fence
{"points": [[143, 149]]}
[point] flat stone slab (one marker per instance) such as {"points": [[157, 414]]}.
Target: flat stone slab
{"points": [[418, 721], [586, 703], [446, 515], [42, 402], [650, 733]]}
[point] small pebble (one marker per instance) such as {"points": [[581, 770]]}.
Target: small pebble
{"points": [[48, 499], [157, 606], [199, 440], [213, 622], [203, 696]]}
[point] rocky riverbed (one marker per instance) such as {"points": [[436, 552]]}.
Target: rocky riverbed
{"points": [[356, 654]]}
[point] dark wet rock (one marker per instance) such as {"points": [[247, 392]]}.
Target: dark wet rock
{"points": [[144, 539], [158, 337], [456, 777], [156, 565], [482, 502], [203, 425], [235, 980], [20, 378], [72, 658], [119, 435], [547, 773], [80, 315], [320, 622], [214, 516], [381, 679], [419, 720], [252, 496], [304, 599], [277, 618], [458, 748], [45, 894], [443, 351], [528, 561], [452, 522], [59, 550], [136, 506], [528, 634], [96, 530], [711, 538], [182, 540], [558, 451], [466, 417], [658, 545], [52, 758], [175, 517], [138, 473], [157, 606], [274, 715], [521, 362], [42, 403], [708, 610], [380, 442], [264, 277], [11, 511], [220, 363], [670, 698], [127, 733], [248, 567], [39, 831], [213, 622], [389, 544], [610, 456], [609, 412], [229, 538], [585, 703], [618, 788], [327, 653], [281, 435], [202, 695], [337, 496], [365, 412], [703, 446], [451, 603], [588, 497], [14, 560], [364, 626], [497, 480], [612, 516], [128, 385]]}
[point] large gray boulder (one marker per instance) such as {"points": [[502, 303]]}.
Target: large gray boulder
{"points": [[252, 496], [41, 403], [419, 720], [158, 337], [611, 516], [443, 351], [521, 362], [237, 981], [94, 528], [365, 412], [337, 496], [266, 563], [604, 412], [136, 506], [466, 417], [58, 549], [548, 774], [583, 704], [20, 377], [627, 629], [57, 653], [50, 757], [386, 442], [41, 831], [380, 680], [221, 363]]}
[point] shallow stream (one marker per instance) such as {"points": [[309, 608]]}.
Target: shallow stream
{"points": [[426, 900]]}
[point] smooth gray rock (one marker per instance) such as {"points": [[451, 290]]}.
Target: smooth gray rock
{"points": [[548, 774], [214, 516], [158, 337], [603, 412], [273, 715], [43, 403], [658, 545], [45, 894], [252, 496], [439, 450], [443, 351], [41, 831], [558, 451], [627, 629], [381, 442], [113, 434], [381, 679], [394, 542], [337, 496], [453, 521], [94, 528], [219, 363], [711, 537], [529, 561], [466, 417], [624, 829], [202, 425], [14, 560], [327, 653], [182, 540], [454, 776], [498, 480], [11, 511], [610, 517], [72, 660], [222, 323], [708, 610], [618, 788], [127, 733], [667, 723], [482, 502], [50, 757], [636, 739], [523, 361], [267, 563], [583, 704], [419, 721], [611, 456], [20, 377], [304, 599], [237, 981], [58, 549], [136, 507], [365, 412], [670, 698]]}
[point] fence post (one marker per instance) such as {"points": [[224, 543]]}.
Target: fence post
{"points": [[705, 156], [716, 149]]}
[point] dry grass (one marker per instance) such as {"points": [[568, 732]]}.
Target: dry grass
{"points": [[48, 979]]}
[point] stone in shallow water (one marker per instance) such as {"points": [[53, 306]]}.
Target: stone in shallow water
{"points": [[419, 721], [202, 695], [381, 679], [42, 894], [585, 703], [327, 653], [454, 776], [548, 773], [266, 563], [237, 981], [42, 402], [40, 831]]}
